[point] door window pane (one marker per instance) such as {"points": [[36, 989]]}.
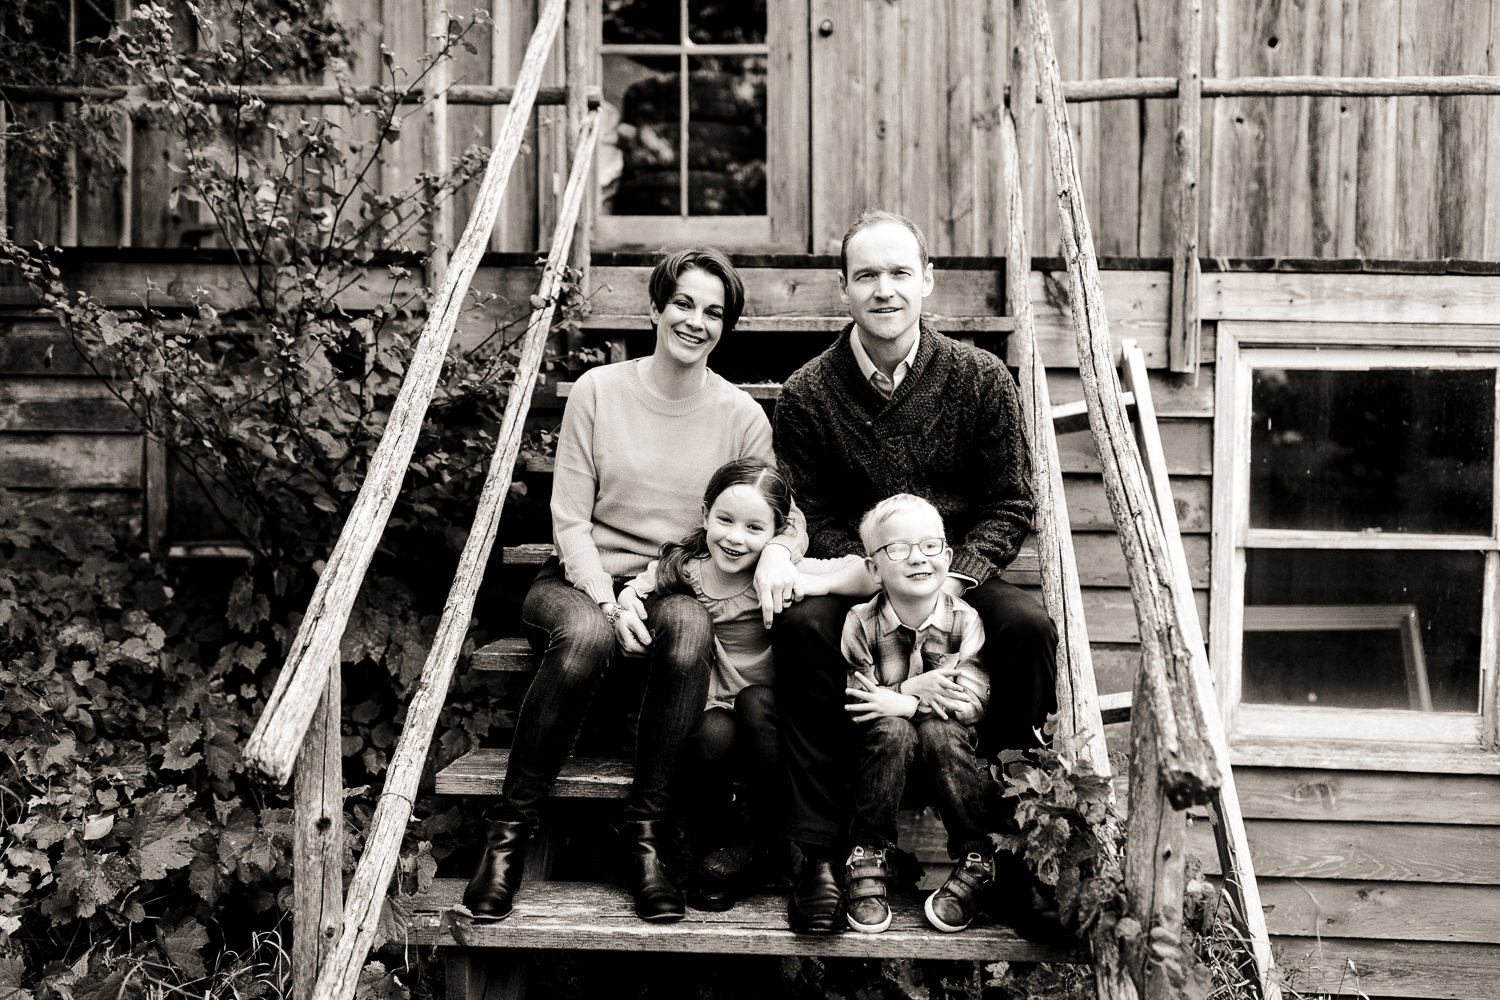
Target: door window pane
{"points": [[727, 22], [1361, 629], [1398, 450], [727, 135], [640, 172], [641, 22], [657, 158]]}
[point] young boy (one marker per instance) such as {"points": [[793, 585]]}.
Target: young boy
{"points": [[916, 690]]}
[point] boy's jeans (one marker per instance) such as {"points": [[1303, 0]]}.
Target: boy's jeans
{"points": [[963, 791]]}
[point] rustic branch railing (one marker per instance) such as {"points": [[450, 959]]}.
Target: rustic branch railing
{"points": [[1179, 754], [383, 838], [273, 745]]}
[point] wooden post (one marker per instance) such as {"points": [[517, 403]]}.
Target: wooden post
{"points": [[1229, 834], [1184, 330], [1189, 766], [1022, 99], [383, 838], [578, 66], [318, 851], [440, 203], [273, 745], [1062, 595], [1077, 696], [1155, 861]]}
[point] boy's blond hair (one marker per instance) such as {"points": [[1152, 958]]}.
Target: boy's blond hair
{"points": [[901, 503]]}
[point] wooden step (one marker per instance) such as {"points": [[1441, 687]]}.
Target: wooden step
{"points": [[481, 772], [952, 325], [587, 916]]}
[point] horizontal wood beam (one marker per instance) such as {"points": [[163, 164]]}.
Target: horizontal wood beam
{"points": [[459, 93], [1134, 88]]}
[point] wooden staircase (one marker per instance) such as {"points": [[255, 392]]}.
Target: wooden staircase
{"points": [[1177, 762]]}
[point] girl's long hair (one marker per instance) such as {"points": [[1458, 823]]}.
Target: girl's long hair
{"points": [[767, 480]]}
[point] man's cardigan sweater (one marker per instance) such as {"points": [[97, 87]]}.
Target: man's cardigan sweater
{"points": [[951, 433]]}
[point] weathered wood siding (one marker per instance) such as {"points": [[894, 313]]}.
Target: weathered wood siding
{"points": [[901, 112]]}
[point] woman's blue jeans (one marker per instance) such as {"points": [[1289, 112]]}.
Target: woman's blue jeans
{"points": [[576, 646]]}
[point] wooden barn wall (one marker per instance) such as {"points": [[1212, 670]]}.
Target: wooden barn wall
{"points": [[902, 113]]}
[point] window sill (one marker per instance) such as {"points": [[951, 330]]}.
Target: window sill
{"points": [[1363, 755]]}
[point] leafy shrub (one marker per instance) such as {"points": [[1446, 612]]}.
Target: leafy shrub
{"points": [[135, 843]]}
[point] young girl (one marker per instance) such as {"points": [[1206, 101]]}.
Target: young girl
{"points": [[747, 502]]}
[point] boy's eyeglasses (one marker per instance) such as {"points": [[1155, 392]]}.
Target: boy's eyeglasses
{"points": [[897, 551]]}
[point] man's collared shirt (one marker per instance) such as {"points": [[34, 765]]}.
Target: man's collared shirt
{"points": [[884, 384], [877, 644]]}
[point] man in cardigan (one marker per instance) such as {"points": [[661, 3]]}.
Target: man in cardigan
{"points": [[896, 407]]}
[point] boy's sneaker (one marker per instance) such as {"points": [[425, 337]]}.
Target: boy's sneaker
{"points": [[960, 899], [865, 874]]}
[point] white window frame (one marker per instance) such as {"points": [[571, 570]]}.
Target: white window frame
{"points": [[784, 227], [1243, 347]]}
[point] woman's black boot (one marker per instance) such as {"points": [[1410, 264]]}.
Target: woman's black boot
{"points": [[656, 895], [498, 876]]}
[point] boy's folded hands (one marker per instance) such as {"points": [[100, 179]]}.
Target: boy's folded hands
{"points": [[870, 701], [938, 691]]}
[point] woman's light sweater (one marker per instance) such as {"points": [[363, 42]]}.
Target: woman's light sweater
{"points": [[632, 467]]}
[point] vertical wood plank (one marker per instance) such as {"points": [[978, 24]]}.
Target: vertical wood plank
{"points": [[959, 66], [1091, 158], [1116, 130], [468, 125], [1211, 55], [580, 49], [318, 850], [157, 492], [1289, 199], [838, 97], [1183, 329], [1157, 56], [922, 113], [1490, 208], [519, 229], [1418, 130], [1367, 205], [404, 32], [435, 141], [551, 145], [993, 70], [4, 179], [883, 109], [789, 100], [1463, 128]]}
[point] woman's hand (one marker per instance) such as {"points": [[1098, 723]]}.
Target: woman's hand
{"points": [[631, 601], [630, 632], [776, 581]]}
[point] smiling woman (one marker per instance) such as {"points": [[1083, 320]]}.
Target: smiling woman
{"points": [[639, 440]]}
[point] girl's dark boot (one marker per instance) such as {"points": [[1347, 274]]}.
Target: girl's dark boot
{"points": [[498, 876], [657, 897]]}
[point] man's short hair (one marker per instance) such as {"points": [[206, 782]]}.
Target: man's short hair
{"points": [[875, 217], [900, 503], [710, 260]]}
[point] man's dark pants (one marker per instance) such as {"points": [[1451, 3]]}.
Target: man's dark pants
{"points": [[819, 742]]}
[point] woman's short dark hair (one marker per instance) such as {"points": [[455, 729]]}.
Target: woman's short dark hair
{"points": [[875, 217], [710, 260]]}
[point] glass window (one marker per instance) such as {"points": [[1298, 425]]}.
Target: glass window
{"points": [[1366, 540], [686, 84], [1400, 449], [1350, 629]]}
